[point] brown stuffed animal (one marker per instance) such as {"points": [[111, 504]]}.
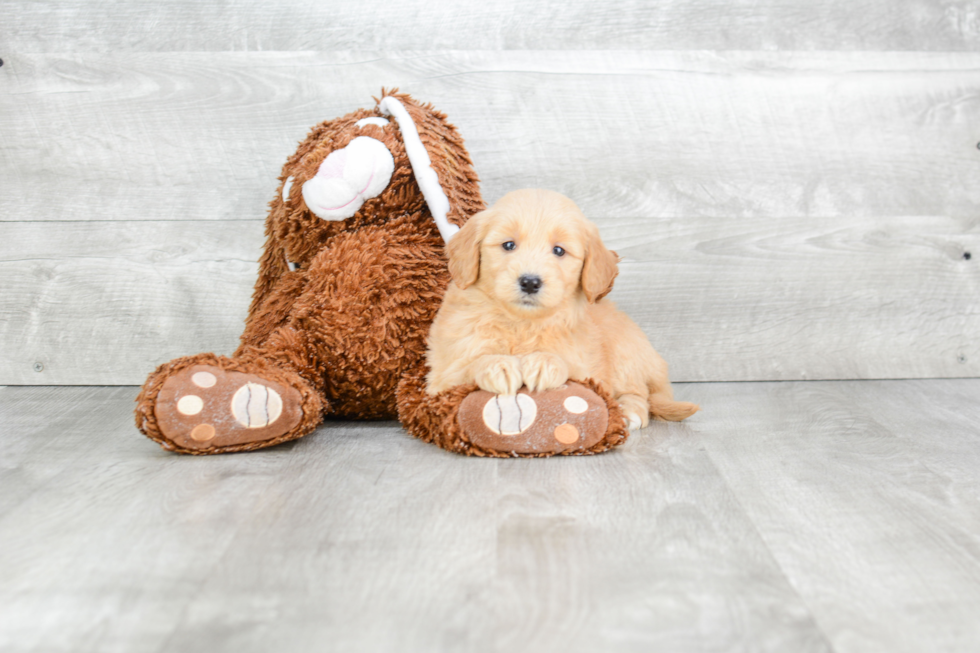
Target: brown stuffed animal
{"points": [[351, 276]]}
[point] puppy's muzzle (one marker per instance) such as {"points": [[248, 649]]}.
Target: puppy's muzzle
{"points": [[530, 283]]}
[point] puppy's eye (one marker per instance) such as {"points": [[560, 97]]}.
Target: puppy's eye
{"points": [[510, 245], [559, 251]]}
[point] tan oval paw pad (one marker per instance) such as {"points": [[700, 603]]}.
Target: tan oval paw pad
{"points": [[566, 434], [190, 405], [576, 404], [202, 432], [204, 379]]}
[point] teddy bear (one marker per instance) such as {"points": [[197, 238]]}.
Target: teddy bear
{"points": [[351, 275]]}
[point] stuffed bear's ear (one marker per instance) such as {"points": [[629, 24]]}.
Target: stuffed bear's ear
{"points": [[463, 250], [442, 166], [600, 267]]}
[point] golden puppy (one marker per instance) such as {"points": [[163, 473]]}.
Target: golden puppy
{"points": [[525, 308]]}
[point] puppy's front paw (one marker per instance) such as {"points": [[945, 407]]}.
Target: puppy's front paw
{"points": [[500, 375], [543, 371]]}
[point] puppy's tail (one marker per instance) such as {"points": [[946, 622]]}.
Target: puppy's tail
{"points": [[665, 408]]}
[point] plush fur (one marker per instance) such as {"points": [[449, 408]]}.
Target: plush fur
{"points": [[346, 325], [340, 315], [526, 309], [355, 315], [434, 418]]}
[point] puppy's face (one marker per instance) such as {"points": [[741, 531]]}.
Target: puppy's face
{"points": [[533, 251]]}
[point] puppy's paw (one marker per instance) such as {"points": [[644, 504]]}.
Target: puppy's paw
{"points": [[543, 371], [637, 410], [635, 423], [500, 375]]}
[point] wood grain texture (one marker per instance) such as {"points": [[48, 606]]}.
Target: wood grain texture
{"points": [[362, 538], [627, 551], [342, 541], [721, 299], [795, 298], [866, 494], [683, 135], [810, 516], [108, 301], [137, 25]]}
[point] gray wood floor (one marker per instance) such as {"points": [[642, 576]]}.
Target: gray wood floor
{"points": [[785, 517]]}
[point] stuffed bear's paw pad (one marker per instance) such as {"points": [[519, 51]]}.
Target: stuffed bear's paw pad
{"points": [[255, 405], [509, 414], [569, 418], [204, 407]]}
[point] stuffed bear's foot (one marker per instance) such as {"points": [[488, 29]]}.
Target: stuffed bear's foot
{"points": [[204, 407], [566, 419], [578, 418], [218, 405]]}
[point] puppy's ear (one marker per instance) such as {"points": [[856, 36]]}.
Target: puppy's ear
{"points": [[463, 250], [600, 267]]}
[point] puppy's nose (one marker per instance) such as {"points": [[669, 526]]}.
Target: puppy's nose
{"points": [[530, 283]]}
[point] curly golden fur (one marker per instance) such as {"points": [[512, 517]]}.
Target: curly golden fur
{"points": [[526, 308]]}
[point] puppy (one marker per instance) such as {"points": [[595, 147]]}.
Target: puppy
{"points": [[526, 308]]}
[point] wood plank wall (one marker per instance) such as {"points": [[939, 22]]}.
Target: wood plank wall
{"points": [[793, 187]]}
